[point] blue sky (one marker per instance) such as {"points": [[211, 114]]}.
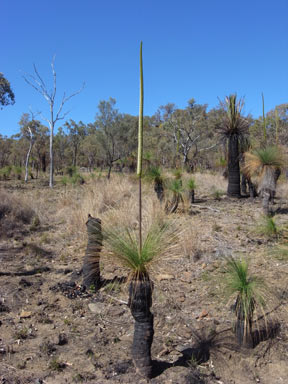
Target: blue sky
{"points": [[202, 49]]}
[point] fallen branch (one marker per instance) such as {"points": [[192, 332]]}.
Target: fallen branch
{"points": [[204, 207], [26, 273], [119, 301]]}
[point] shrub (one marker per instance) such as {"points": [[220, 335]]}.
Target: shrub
{"points": [[70, 171], [268, 227], [77, 179]]}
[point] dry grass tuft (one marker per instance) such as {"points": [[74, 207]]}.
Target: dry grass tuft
{"points": [[14, 213]]}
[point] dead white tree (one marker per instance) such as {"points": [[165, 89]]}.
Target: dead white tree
{"points": [[31, 137], [36, 82]]}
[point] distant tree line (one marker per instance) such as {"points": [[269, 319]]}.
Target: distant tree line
{"points": [[174, 137]]}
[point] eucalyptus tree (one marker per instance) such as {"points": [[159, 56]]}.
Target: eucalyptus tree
{"points": [[233, 127], [55, 114], [76, 134], [62, 150], [6, 94], [5, 150], [114, 132], [92, 151], [277, 125], [187, 129], [29, 127], [41, 147]]}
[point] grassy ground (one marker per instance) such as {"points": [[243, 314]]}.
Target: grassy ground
{"points": [[58, 334]]}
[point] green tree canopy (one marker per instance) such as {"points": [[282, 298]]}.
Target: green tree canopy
{"points": [[6, 94]]}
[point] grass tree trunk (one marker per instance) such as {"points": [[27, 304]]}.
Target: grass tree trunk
{"points": [[266, 202], [244, 181], [159, 189], [175, 203], [233, 167], [140, 301], [91, 262], [252, 189], [268, 188], [244, 332], [192, 196], [243, 329]]}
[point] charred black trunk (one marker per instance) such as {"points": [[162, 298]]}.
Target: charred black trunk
{"points": [[91, 262], [192, 196], [244, 181], [140, 301], [159, 189], [233, 167], [277, 174], [252, 189]]}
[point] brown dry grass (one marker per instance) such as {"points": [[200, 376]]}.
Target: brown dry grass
{"points": [[14, 213]]}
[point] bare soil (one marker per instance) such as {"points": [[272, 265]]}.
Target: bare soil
{"points": [[52, 331]]}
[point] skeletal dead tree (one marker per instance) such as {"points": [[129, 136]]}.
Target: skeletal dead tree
{"points": [[36, 82]]}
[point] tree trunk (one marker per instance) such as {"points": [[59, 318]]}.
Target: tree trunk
{"points": [[51, 179], [267, 187], [91, 261], [109, 171], [192, 196], [140, 301], [158, 188], [74, 157], [243, 328], [174, 204], [244, 181], [252, 189], [27, 161], [233, 167], [265, 202]]}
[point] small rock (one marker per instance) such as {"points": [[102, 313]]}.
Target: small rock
{"points": [[117, 311], [62, 339], [25, 283], [210, 268], [203, 314], [25, 314], [97, 307], [165, 277], [182, 297], [187, 277]]}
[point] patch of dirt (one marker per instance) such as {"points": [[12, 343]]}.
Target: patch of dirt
{"points": [[53, 331]]}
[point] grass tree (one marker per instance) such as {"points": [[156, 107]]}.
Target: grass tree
{"points": [[249, 293], [176, 188], [154, 174], [191, 185], [234, 127], [265, 163], [128, 247], [123, 246]]}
